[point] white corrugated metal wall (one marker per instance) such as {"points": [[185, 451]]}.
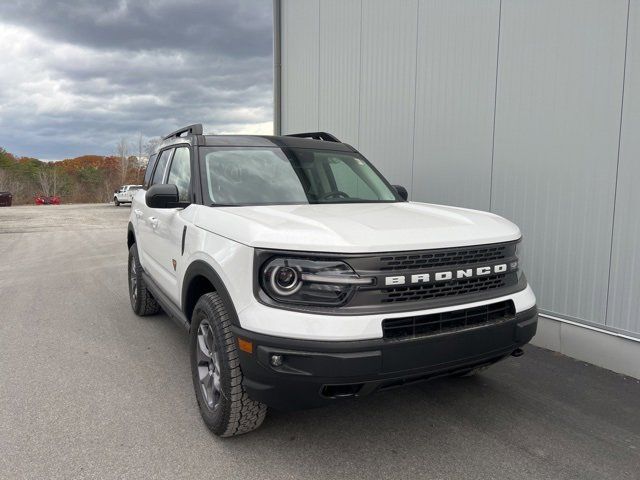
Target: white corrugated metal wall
{"points": [[509, 106]]}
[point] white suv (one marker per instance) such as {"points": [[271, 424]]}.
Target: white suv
{"points": [[125, 194], [305, 278]]}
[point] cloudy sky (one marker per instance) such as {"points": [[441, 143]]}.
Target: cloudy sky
{"points": [[77, 76]]}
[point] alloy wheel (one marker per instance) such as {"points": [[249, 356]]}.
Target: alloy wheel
{"points": [[208, 366], [133, 280]]}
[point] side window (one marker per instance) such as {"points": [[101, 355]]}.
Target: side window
{"points": [[180, 172], [149, 170], [161, 166]]}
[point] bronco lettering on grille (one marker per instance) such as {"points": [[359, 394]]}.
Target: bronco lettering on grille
{"points": [[446, 275]]}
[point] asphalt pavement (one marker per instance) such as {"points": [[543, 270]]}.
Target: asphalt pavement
{"points": [[89, 390]]}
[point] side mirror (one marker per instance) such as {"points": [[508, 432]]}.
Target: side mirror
{"points": [[162, 196], [401, 191]]}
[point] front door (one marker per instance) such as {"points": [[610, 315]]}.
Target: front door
{"points": [[168, 224], [147, 217]]}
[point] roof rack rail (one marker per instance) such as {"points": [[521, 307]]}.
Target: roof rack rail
{"points": [[195, 129], [327, 137]]}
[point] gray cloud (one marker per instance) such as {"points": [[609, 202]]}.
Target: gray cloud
{"points": [[80, 75]]}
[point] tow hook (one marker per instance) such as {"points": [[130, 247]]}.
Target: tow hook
{"points": [[518, 352]]}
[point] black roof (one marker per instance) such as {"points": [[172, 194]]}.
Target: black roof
{"points": [[192, 134], [273, 141]]}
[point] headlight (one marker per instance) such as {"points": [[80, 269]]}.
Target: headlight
{"points": [[309, 282], [284, 280], [515, 263]]}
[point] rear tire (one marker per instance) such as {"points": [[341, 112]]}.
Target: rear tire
{"points": [[142, 301], [224, 404]]}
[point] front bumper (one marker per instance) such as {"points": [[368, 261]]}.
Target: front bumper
{"points": [[315, 373]]}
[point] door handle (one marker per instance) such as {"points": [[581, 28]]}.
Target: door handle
{"points": [[153, 221], [138, 212]]}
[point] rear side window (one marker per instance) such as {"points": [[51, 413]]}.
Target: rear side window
{"points": [[161, 166], [180, 173], [149, 171]]}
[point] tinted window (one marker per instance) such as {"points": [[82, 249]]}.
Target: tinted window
{"points": [[162, 165], [149, 171], [347, 180], [239, 176], [268, 176], [180, 172]]}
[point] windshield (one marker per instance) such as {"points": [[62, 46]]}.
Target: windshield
{"points": [[271, 176]]}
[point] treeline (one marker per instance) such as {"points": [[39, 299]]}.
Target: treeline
{"points": [[89, 178]]}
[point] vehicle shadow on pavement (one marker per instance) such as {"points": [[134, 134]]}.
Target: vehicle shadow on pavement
{"points": [[526, 409]]}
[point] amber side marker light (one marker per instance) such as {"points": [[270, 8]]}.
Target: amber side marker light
{"points": [[245, 345]]}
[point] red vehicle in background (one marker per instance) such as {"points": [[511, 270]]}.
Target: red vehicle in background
{"points": [[46, 200]]}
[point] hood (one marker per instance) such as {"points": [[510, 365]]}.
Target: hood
{"points": [[356, 228]]}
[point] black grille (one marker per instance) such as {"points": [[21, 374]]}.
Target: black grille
{"points": [[404, 293], [423, 325], [446, 289], [457, 256]]}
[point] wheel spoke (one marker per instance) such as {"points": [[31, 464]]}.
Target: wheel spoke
{"points": [[207, 395], [203, 373], [215, 361], [205, 332], [133, 280], [216, 381], [211, 391], [203, 354]]}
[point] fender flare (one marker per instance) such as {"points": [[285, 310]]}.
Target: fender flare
{"points": [[202, 268]]}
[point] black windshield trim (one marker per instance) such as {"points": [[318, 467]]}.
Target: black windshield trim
{"points": [[274, 204]]}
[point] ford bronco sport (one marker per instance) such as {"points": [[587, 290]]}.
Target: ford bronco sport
{"points": [[303, 277]]}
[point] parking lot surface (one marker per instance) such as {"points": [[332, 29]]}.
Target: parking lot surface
{"points": [[89, 390]]}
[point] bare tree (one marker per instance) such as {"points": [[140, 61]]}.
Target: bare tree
{"points": [[142, 159], [4, 180], [47, 178], [122, 152], [151, 145], [8, 183], [140, 146]]}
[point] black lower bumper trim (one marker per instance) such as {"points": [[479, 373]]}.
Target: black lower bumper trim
{"points": [[314, 373]]}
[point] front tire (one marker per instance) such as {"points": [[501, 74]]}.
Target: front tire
{"points": [[142, 302], [224, 404], [116, 202]]}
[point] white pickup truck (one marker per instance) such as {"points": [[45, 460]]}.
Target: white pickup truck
{"points": [[305, 278], [125, 194]]}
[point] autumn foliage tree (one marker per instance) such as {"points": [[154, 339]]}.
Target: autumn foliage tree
{"points": [[89, 178]]}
